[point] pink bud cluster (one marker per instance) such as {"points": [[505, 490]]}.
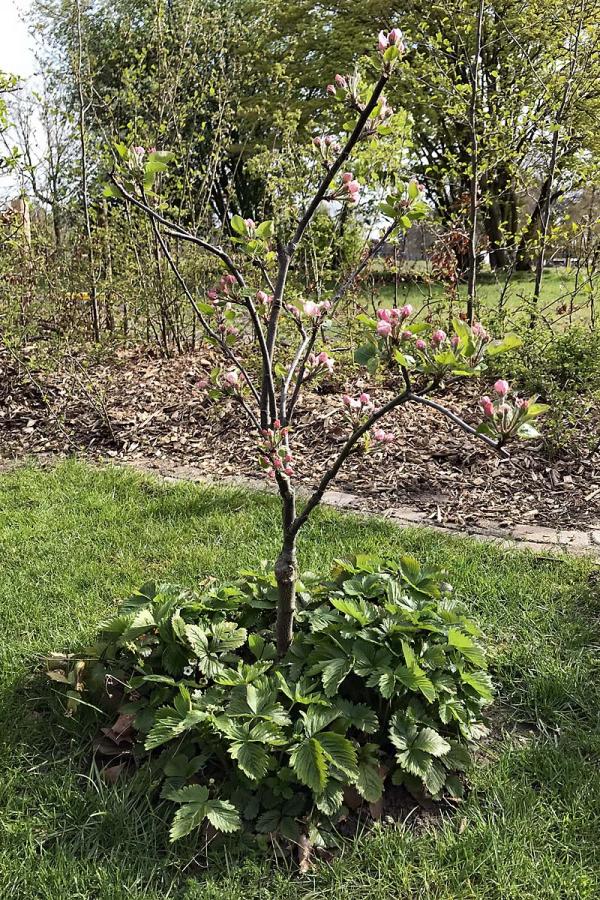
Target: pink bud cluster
{"points": [[230, 380], [319, 362], [357, 408], [390, 324], [275, 455], [327, 146], [316, 310], [503, 418], [383, 437], [340, 82], [392, 39], [222, 291]]}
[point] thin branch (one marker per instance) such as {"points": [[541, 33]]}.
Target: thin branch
{"points": [[496, 447]]}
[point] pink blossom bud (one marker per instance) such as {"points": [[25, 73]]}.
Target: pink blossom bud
{"points": [[347, 177], [262, 297], [317, 141], [365, 399], [329, 140], [379, 434], [331, 89], [341, 81], [231, 378], [384, 314], [289, 471], [346, 399], [287, 458], [382, 42], [384, 329], [502, 387], [202, 384], [438, 336], [523, 404], [420, 344], [353, 187], [487, 406], [139, 151], [454, 341], [277, 463], [229, 278], [276, 424], [406, 335], [406, 311], [395, 36], [312, 309], [212, 295], [250, 224]]}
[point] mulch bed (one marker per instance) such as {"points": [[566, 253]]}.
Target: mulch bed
{"points": [[132, 405]]}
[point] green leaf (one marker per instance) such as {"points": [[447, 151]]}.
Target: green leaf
{"points": [[260, 648], [333, 674], [223, 816], [340, 751], [508, 342], [429, 741], [330, 800], [415, 679], [265, 230], [251, 758], [435, 779], [239, 226], [527, 431], [369, 783], [480, 682], [358, 715], [467, 647], [310, 765], [365, 353], [360, 610]]}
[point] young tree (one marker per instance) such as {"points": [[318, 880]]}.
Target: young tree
{"points": [[250, 306]]}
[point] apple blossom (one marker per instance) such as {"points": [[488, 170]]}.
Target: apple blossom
{"points": [[341, 81], [406, 311], [382, 42], [502, 387], [438, 336], [420, 344], [487, 406], [384, 314], [395, 36], [384, 329], [331, 89], [406, 336], [454, 341], [231, 379], [523, 404]]}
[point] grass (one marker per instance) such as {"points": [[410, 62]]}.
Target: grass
{"points": [[557, 286], [74, 539]]}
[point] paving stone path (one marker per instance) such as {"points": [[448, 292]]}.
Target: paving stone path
{"points": [[527, 537]]}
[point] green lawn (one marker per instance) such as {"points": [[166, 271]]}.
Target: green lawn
{"points": [[73, 540], [556, 288]]}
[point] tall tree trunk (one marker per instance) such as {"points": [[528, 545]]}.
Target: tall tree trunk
{"points": [[84, 180], [286, 573], [474, 179]]}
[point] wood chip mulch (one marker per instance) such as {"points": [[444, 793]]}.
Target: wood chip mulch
{"points": [[135, 406]]}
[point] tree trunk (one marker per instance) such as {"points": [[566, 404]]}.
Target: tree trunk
{"points": [[286, 573]]}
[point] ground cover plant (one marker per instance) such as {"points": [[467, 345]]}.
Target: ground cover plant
{"points": [[527, 828]]}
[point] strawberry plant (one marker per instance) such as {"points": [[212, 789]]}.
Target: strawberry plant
{"points": [[384, 683]]}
